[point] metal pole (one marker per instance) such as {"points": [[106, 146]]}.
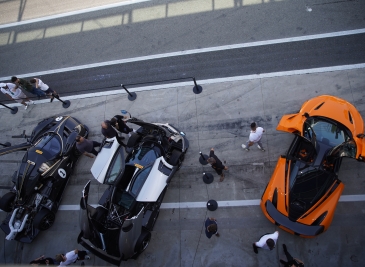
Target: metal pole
{"points": [[197, 88], [13, 110], [131, 96], [65, 103]]}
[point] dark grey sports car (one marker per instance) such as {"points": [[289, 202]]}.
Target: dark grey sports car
{"points": [[42, 177], [119, 228]]}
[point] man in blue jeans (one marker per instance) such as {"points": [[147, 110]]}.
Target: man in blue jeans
{"points": [[27, 86]]}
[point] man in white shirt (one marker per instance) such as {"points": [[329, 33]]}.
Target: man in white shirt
{"points": [[71, 257], [255, 137], [267, 241], [13, 92]]}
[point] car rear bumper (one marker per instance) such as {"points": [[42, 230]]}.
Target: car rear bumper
{"points": [[295, 227]]}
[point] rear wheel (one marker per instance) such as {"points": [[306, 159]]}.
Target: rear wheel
{"points": [[143, 241], [6, 201], [44, 219]]}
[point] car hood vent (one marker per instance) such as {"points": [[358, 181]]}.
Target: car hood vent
{"points": [[319, 106]]}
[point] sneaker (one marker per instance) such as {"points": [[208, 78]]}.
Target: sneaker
{"points": [[217, 234], [261, 148], [255, 248], [52, 98], [245, 147], [222, 178], [26, 106], [87, 257]]}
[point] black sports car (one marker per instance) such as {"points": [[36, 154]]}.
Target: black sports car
{"points": [[42, 177], [119, 228]]}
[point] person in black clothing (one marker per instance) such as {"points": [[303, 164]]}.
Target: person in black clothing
{"points": [[109, 132], [42, 261], [216, 164], [118, 123], [292, 262]]}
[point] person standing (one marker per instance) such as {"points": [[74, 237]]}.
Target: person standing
{"points": [[216, 164], [118, 123], [72, 257], [267, 241], [38, 83], [27, 86], [109, 132], [211, 227], [292, 262], [13, 92], [255, 137], [86, 146]]}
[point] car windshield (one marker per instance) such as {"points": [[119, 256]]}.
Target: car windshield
{"points": [[332, 134], [115, 168], [145, 155], [326, 131], [139, 180], [49, 145]]}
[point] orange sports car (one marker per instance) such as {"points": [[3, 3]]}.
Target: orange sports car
{"points": [[304, 189]]}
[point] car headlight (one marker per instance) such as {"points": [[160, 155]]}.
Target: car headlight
{"points": [[44, 167]]}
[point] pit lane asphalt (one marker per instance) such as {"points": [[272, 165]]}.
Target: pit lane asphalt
{"points": [[219, 117]]}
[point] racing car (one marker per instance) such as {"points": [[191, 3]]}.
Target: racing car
{"points": [[41, 179], [119, 227], [303, 192]]}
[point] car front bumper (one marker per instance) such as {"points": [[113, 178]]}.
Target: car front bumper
{"points": [[295, 227]]}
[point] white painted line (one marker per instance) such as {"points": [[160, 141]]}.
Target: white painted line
{"points": [[190, 52], [72, 13], [221, 204]]}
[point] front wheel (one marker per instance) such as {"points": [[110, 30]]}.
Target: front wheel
{"points": [[44, 219], [143, 241]]}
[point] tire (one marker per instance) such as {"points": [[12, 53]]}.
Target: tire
{"points": [[6, 201], [44, 219], [174, 158], [143, 241]]}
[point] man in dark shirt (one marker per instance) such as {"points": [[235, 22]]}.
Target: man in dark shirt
{"points": [[109, 132], [292, 262], [86, 146], [211, 227], [216, 164], [118, 123]]}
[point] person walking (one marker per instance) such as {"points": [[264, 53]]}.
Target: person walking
{"points": [[211, 227], [292, 262], [216, 164], [72, 257], [42, 261], [24, 84], [13, 92], [255, 137], [40, 85], [86, 146], [109, 132], [118, 123], [267, 241]]}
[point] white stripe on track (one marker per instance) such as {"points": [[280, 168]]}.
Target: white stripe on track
{"points": [[221, 204], [190, 52]]}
